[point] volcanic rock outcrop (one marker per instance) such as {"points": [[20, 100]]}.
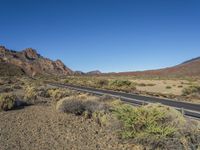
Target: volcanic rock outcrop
{"points": [[33, 63]]}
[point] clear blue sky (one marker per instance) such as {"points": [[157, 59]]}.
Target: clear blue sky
{"points": [[109, 35]]}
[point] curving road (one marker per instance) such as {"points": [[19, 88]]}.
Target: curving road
{"points": [[189, 109]]}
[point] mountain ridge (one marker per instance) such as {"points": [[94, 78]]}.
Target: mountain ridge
{"points": [[33, 63], [28, 61]]}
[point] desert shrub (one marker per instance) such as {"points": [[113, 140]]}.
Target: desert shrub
{"points": [[122, 85], [151, 84], [89, 108], [31, 93], [156, 126], [70, 106], [43, 92], [7, 101], [180, 86], [100, 117], [112, 102], [36, 93], [58, 93], [142, 123], [77, 106], [16, 86], [66, 81], [106, 98], [1, 82], [101, 83], [168, 87], [7, 89], [192, 90], [141, 84]]}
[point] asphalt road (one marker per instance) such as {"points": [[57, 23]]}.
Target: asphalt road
{"points": [[189, 109]]}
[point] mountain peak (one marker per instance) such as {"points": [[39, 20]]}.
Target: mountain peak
{"points": [[30, 53]]}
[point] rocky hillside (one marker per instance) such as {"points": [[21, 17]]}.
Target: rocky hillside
{"points": [[32, 63], [188, 68]]}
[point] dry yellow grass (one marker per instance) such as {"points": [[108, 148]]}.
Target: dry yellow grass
{"points": [[160, 86]]}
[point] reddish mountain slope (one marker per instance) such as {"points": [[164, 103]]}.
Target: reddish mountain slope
{"points": [[188, 68]]}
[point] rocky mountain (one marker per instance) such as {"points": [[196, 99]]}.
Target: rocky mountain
{"points": [[187, 68], [32, 63], [95, 72]]}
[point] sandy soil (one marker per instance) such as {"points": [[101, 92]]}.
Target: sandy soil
{"points": [[160, 86], [42, 128]]}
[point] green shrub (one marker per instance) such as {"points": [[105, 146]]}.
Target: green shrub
{"points": [[100, 117], [156, 126], [7, 101], [143, 123], [122, 85]]}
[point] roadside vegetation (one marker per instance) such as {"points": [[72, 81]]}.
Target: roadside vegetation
{"points": [[153, 126], [157, 126], [118, 85], [162, 87]]}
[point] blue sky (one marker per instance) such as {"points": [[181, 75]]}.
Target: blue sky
{"points": [[108, 35]]}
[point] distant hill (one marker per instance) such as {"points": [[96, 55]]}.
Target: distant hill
{"points": [[95, 72], [187, 68], [31, 63], [79, 73]]}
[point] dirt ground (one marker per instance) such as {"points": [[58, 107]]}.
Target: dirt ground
{"points": [[43, 128], [160, 86]]}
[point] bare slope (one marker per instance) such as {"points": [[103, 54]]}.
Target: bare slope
{"points": [[41, 127], [188, 68]]}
